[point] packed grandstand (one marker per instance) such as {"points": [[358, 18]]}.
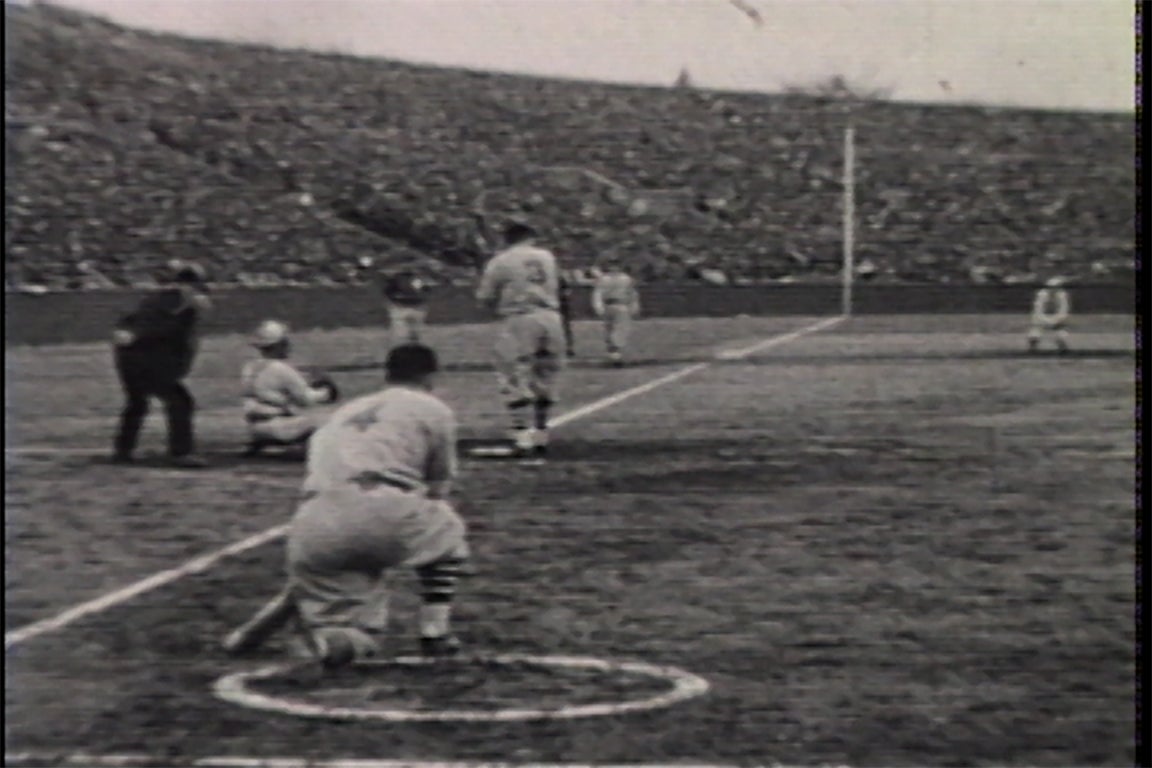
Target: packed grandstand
{"points": [[126, 149]]}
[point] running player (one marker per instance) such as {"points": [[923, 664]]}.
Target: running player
{"points": [[521, 285]]}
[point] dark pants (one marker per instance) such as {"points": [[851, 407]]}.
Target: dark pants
{"points": [[141, 382], [566, 320]]}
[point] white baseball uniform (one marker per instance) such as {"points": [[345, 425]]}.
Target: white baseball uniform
{"points": [[279, 405], [522, 284], [1051, 309], [616, 301], [373, 500]]}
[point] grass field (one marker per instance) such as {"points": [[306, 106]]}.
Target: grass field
{"points": [[898, 541]]}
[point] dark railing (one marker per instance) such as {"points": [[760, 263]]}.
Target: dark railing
{"points": [[88, 316]]}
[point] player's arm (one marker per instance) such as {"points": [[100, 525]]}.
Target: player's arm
{"points": [[483, 235], [491, 282], [441, 467], [598, 298], [633, 297], [298, 390], [1063, 307]]}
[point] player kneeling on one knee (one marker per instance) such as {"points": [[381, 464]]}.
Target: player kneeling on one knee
{"points": [[1051, 309], [374, 500], [281, 406]]}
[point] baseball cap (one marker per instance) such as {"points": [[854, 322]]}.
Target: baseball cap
{"points": [[518, 229], [1054, 282], [409, 362], [187, 272], [268, 333]]}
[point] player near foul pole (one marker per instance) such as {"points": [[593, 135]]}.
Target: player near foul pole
{"points": [[1051, 309], [521, 285]]}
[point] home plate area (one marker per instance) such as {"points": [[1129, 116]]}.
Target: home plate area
{"points": [[474, 688]]}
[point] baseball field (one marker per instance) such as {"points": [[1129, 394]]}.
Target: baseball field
{"points": [[881, 541]]}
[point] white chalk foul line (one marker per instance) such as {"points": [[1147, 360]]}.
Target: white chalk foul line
{"points": [[736, 354], [206, 561], [196, 565]]}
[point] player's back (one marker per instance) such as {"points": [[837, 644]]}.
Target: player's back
{"points": [[521, 279], [399, 433]]}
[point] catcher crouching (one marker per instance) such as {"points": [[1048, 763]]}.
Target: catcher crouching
{"points": [[282, 405]]}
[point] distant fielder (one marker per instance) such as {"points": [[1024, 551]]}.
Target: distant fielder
{"points": [[616, 301], [379, 471], [1051, 309], [406, 295], [281, 405], [521, 285]]}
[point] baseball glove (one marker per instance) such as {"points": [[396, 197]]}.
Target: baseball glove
{"points": [[321, 380]]}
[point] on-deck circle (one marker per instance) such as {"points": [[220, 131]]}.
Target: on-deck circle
{"points": [[235, 688]]}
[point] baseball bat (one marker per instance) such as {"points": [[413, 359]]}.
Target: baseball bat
{"points": [[273, 616]]}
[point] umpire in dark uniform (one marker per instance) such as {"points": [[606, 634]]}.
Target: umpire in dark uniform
{"points": [[155, 347]]}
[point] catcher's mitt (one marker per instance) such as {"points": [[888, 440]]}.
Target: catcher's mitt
{"points": [[321, 380]]}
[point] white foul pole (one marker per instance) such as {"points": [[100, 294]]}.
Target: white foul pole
{"points": [[849, 226]]}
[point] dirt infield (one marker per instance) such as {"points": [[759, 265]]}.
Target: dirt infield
{"points": [[895, 542]]}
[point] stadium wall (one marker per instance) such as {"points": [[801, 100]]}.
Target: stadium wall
{"points": [[88, 316]]}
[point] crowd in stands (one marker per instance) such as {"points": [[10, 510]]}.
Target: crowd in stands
{"points": [[128, 149]]}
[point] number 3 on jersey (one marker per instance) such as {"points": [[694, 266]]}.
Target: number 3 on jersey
{"points": [[535, 273]]}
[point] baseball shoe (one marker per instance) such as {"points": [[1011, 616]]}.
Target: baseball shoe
{"points": [[523, 441], [440, 647], [123, 458], [335, 651], [531, 447], [253, 449], [187, 462]]}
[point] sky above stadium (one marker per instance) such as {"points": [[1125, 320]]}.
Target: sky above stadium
{"points": [[1059, 54]]}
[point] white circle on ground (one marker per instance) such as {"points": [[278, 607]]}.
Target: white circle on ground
{"points": [[234, 689]]}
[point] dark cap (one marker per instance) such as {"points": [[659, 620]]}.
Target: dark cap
{"points": [[518, 230], [411, 362], [187, 272]]}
